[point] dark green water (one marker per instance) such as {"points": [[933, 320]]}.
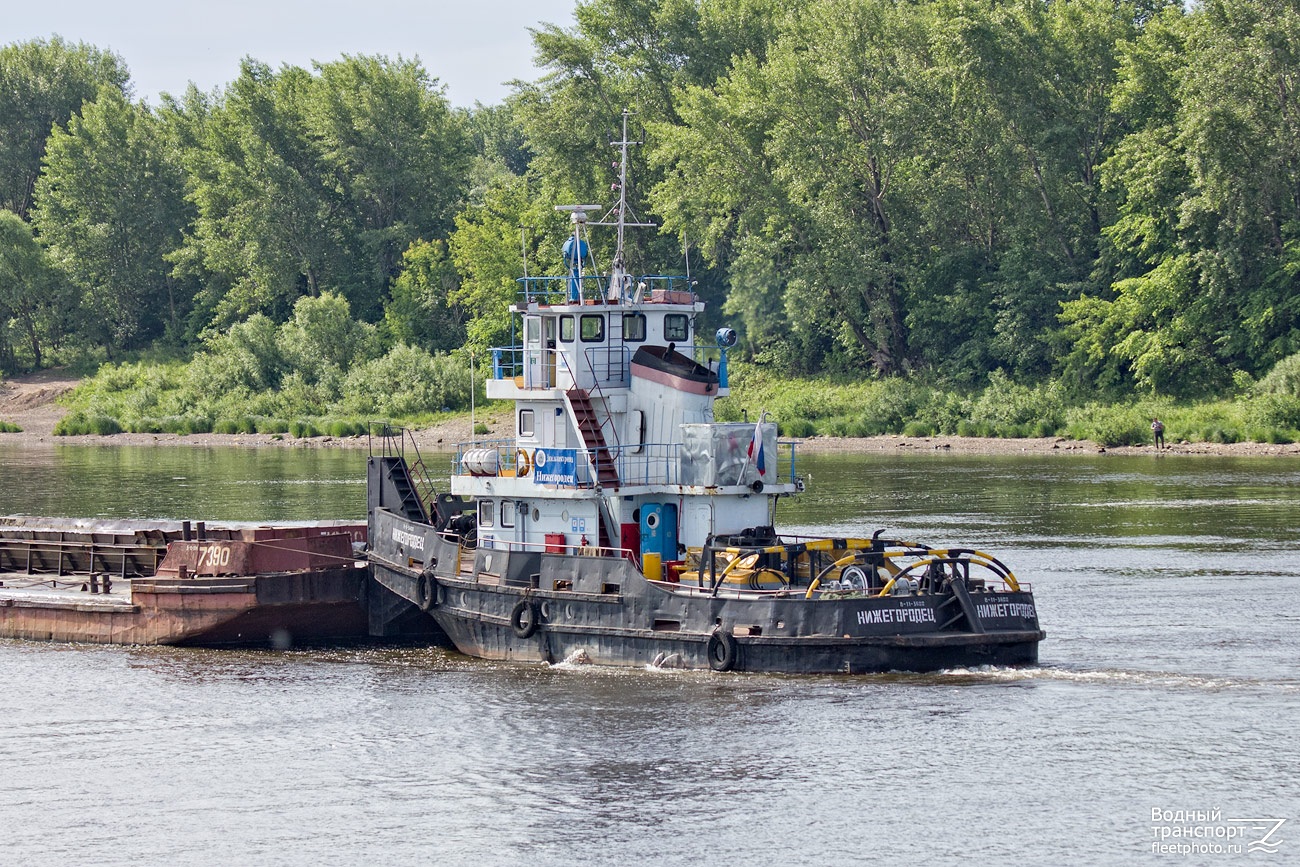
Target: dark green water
{"points": [[1169, 587]]}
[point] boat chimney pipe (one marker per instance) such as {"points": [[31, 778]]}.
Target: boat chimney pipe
{"points": [[185, 531], [203, 531]]}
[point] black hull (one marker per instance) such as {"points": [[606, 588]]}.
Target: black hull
{"points": [[526, 625]]}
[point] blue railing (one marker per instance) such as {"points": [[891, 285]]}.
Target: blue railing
{"points": [[647, 464], [654, 288]]}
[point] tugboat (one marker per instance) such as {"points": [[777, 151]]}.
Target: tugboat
{"points": [[622, 525]]}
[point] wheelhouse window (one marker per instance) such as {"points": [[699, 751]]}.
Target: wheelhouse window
{"points": [[593, 328], [566, 329], [526, 423], [634, 327], [507, 513], [486, 513], [677, 327]]}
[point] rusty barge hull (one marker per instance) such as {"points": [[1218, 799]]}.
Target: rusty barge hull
{"points": [[243, 586], [266, 609]]}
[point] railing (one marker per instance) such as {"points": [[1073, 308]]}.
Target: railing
{"points": [[647, 464], [838, 568], [607, 366], [595, 288], [508, 361], [393, 440]]}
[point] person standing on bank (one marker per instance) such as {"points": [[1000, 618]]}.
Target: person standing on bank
{"points": [[1158, 432]]}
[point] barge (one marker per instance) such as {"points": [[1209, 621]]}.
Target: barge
{"points": [[161, 583], [622, 524]]}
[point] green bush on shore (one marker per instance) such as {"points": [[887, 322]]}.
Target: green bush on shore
{"points": [[804, 407], [81, 424]]}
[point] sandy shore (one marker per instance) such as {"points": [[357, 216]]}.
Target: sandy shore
{"points": [[30, 403]]}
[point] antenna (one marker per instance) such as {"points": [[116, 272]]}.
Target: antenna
{"points": [[620, 213], [523, 248]]}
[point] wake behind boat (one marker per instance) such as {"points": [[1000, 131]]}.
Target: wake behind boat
{"points": [[623, 525]]}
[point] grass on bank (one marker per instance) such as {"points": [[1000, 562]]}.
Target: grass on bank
{"points": [[804, 407], [409, 390], [231, 391]]}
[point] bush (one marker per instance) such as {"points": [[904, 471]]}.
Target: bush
{"points": [[1110, 425], [1010, 408], [264, 425], [797, 427], [1221, 435], [241, 425], [917, 429], [1284, 378], [968, 428], [405, 382], [1274, 410], [340, 428], [302, 429], [80, 424], [889, 405], [9, 427]]}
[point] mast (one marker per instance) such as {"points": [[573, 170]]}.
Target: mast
{"points": [[620, 213]]}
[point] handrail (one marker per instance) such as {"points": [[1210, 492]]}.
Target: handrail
{"points": [[393, 440], [650, 464], [553, 290]]}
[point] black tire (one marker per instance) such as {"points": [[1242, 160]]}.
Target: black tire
{"points": [[721, 651], [524, 619], [426, 592]]}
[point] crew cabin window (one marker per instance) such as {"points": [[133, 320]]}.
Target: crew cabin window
{"points": [[507, 513], [634, 327], [593, 328], [526, 428], [677, 328], [486, 513], [566, 329]]}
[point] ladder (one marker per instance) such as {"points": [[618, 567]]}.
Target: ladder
{"points": [[593, 438]]}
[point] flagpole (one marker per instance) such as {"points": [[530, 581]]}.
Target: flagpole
{"points": [[756, 439]]}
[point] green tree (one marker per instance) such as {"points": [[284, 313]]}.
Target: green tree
{"points": [[397, 154], [322, 337], [42, 84], [1205, 247], [628, 54], [307, 183], [486, 250], [33, 294], [419, 311], [269, 225], [110, 206]]}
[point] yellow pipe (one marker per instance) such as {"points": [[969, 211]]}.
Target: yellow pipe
{"points": [[977, 557], [842, 562]]}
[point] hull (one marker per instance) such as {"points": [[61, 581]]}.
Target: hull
{"points": [[278, 609], [123, 583], [493, 605]]}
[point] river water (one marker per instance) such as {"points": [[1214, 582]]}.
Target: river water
{"points": [[1169, 588]]}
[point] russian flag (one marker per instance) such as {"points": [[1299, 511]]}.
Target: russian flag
{"points": [[756, 456]]}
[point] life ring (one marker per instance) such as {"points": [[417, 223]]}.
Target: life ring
{"points": [[524, 619], [426, 592], [523, 463], [721, 651]]}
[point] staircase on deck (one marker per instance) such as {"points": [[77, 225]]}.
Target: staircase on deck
{"points": [[593, 438], [396, 484]]}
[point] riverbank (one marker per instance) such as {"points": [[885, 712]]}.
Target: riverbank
{"points": [[31, 404]]}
